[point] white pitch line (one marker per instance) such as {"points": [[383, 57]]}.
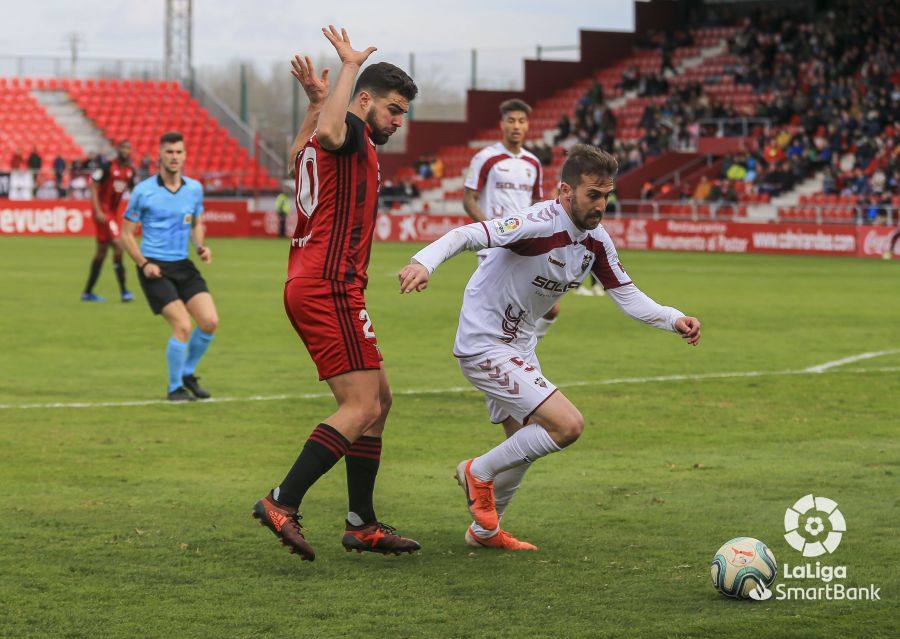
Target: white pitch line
{"points": [[821, 368], [451, 389]]}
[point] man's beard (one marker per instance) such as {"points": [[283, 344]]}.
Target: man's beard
{"points": [[378, 136], [582, 217]]}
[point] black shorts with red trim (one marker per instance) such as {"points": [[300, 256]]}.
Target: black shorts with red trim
{"points": [[331, 319]]}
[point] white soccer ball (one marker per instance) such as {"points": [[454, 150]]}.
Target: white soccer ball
{"points": [[741, 566]]}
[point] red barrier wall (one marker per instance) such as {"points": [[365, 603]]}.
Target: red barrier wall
{"points": [[744, 237], [724, 146], [229, 218], [223, 218], [629, 184]]}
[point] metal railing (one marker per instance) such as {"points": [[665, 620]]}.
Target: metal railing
{"points": [[827, 214], [674, 209], [56, 66], [721, 210], [268, 158], [734, 126]]}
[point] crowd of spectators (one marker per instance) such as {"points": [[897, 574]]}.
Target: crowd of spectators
{"points": [[63, 179], [834, 103]]}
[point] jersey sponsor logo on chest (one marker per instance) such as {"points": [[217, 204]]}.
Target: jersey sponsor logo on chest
{"points": [[512, 186], [547, 284]]}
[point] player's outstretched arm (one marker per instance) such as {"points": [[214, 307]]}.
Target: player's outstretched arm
{"points": [[471, 237], [639, 306], [316, 89], [332, 127]]}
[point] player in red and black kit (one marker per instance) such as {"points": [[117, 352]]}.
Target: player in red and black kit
{"points": [[337, 183], [108, 184]]}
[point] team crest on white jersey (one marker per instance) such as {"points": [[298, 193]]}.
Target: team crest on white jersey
{"points": [[507, 224]]}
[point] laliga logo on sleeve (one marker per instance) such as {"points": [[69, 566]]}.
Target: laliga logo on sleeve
{"points": [[507, 225], [812, 513]]}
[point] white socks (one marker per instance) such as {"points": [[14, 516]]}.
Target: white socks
{"points": [[505, 486], [526, 445], [541, 326]]}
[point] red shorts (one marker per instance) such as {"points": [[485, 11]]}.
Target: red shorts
{"points": [[331, 319], [109, 230]]}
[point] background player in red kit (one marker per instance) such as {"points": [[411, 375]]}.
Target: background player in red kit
{"points": [[108, 184], [337, 183]]}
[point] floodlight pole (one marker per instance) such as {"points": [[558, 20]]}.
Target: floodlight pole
{"points": [[179, 38]]}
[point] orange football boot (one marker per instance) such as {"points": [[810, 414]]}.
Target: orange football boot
{"points": [[501, 541], [479, 496]]}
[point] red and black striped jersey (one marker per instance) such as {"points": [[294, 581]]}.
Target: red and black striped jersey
{"points": [[337, 201], [113, 179]]}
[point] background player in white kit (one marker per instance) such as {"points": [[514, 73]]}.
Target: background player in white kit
{"points": [[505, 178], [549, 249]]}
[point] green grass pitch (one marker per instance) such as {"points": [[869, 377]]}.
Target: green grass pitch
{"points": [[134, 521]]}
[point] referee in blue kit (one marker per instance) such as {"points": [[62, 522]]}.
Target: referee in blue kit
{"points": [[168, 206]]}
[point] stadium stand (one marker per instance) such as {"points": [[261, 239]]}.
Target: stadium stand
{"points": [[137, 110], [25, 125], [826, 125]]}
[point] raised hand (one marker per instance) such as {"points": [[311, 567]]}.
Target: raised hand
{"points": [[316, 87], [689, 329], [341, 43]]}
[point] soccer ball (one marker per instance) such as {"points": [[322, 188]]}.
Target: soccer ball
{"points": [[741, 566]]}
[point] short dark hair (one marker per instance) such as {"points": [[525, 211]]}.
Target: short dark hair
{"points": [[170, 138], [584, 159], [384, 77], [515, 104]]}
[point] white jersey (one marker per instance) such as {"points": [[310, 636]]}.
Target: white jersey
{"points": [[506, 183], [545, 256]]}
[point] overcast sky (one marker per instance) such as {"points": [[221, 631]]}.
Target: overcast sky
{"points": [[270, 30]]}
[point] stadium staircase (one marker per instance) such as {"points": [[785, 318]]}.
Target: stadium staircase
{"points": [[63, 109], [74, 117], [789, 199]]}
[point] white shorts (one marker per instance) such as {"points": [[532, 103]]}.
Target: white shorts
{"points": [[513, 384]]}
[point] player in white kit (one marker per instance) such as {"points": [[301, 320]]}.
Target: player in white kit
{"points": [[504, 178], [548, 249]]}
